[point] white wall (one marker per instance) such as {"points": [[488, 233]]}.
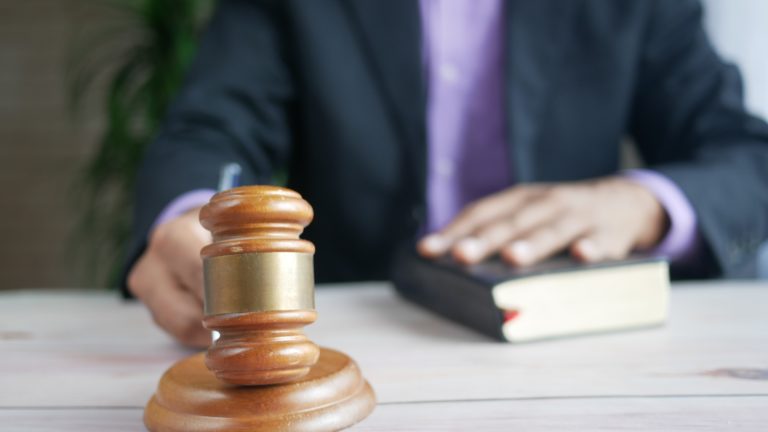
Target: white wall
{"points": [[739, 30]]}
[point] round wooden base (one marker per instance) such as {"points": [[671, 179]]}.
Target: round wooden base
{"points": [[333, 396]]}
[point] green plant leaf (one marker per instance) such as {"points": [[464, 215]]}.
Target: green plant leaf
{"points": [[141, 57]]}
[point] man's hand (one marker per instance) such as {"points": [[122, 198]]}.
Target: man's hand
{"points": [[597, 220], [168, 278]]}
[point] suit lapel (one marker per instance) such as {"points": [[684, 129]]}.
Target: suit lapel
{"points": [[536, 32], [391, 36]]}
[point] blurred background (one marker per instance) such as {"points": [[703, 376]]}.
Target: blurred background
{"points": [[83, 86]]}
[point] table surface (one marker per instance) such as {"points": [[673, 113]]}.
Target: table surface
{"points": [[88, 361]]}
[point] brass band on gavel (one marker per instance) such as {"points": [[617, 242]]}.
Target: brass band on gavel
{"points": [[257, 282]]}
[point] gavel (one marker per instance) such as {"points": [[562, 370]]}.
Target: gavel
{"points": [[263, 373], [259, 285]]}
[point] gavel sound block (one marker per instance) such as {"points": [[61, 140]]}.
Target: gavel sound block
{"points": [[263, 373]]}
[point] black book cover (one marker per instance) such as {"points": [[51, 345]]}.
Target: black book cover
{"points": [[465, 293]]}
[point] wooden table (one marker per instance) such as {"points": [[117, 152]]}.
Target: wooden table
{"points": [[87, 361]]}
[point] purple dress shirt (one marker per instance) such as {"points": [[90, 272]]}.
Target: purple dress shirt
{"points": [[463, 55]]}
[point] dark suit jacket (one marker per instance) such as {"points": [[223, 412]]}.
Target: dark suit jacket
{"points": [[333, 92]]}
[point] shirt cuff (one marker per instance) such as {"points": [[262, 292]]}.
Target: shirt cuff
{"points": [[182, 204], [682, 241]]}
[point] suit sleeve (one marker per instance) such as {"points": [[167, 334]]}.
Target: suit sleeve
{"points": [[233, 107], [690, 125]]}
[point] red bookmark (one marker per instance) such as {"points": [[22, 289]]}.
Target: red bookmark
{"points": [[510, 314]]}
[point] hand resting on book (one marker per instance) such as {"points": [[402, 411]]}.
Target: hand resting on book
{"points": [[595, 220]]}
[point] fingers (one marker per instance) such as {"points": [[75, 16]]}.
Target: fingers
{"points": [[173, 308], [473, 217], [490, 240], [168, 278], [598, 220], [601, 245], [177, 244], [545, 241]]}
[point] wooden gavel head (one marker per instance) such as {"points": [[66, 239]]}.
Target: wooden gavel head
{"points": [[259, 285]]}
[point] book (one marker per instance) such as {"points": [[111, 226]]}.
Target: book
{"points": [[557, 298]]}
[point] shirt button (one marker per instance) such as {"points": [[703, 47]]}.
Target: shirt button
{"points": [[444, 168], [448, 73]]}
